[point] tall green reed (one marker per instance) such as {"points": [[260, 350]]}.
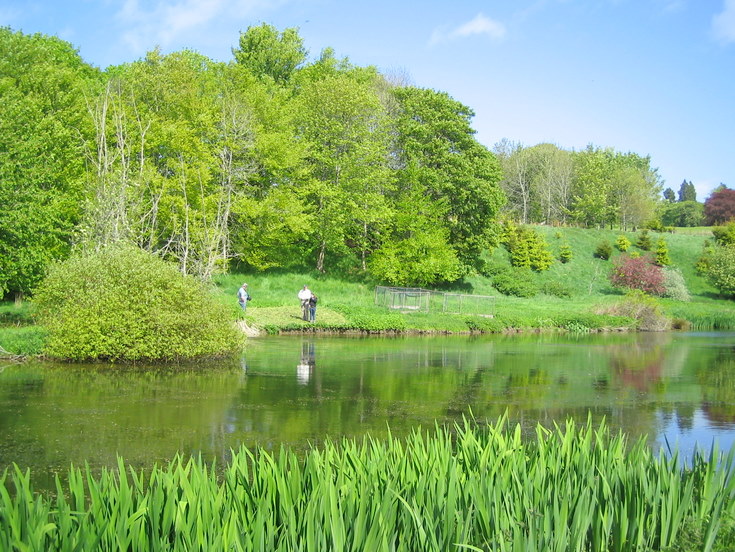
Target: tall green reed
{"points": [[470, 487]]}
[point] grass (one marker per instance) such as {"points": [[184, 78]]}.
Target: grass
{"points": [[347, 305], [575, 488]]}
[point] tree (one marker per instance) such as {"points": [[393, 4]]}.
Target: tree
{"points": [[721, 269], [344, 126], [687, 191], [719, 207], [684, 213], [269, 53], [437, 152], [669, 195], [43, 83]]}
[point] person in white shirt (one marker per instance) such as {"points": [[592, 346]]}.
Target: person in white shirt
{"points": [[243, 297], [304, 295]]}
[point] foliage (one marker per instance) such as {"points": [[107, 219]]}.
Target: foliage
{"points": [[565, 253], [725, 235], [642, 308], [644, 240], [427, 492], [719, 207], [622, 243], [22, 340], [439, 154], [687, 192], [42, 90], [662, 253], [702, 264], [126, 304], [686, 213], [517, 282], [527, 248], [721, 269], [639, 273], [556, 289], [268, 53], [603, 251], [675, 285]]}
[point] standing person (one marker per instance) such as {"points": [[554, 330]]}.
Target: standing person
{"points": [[312, 307], [243, 297], [304, 295]]}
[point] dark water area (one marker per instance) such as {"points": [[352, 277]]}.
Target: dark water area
{"points": [[298, 391]]}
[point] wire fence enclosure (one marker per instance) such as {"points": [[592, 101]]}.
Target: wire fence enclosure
{"points": [[424, 300]]}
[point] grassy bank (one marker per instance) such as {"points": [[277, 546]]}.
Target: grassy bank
{"points": [[575, 296], [471, 488]]}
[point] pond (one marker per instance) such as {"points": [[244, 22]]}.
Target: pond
{"points": [[299, 390]]}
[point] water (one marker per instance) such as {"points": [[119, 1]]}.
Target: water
{"points": [[298, 391]]}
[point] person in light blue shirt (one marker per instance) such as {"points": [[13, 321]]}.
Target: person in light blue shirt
{"points": [[243, 296]]}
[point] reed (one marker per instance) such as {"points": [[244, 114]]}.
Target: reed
{"points": [[470, 487]]}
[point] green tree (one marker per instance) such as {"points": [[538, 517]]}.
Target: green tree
{"points": [[437, 152], [669, 195], [344, 127], [269, 53], [721, 269], [687, 191], [684, 213], [662, 253], [43, 85]]}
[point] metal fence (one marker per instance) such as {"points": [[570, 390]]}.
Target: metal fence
{"points": [[424, 300]]}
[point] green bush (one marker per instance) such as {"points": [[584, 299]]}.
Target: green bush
{"points": [[527, 248], [721, 270], [644, 241], [675, 285], [556, 289], [125, 304], [622, 243], [724, 235], [662, 253], [565, 253], [518, 283], [603, 251]]}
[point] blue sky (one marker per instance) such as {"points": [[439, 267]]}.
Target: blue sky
{"points": [[655, 77]]}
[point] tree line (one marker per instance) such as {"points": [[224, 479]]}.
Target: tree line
{"points": [[272, 159]]}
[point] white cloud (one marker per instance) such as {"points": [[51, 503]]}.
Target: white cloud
{"points": [[480, 25], [169, 22], [723, 24]]}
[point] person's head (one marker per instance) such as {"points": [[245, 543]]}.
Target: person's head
{"points": [[244, 285], [306, 287]]}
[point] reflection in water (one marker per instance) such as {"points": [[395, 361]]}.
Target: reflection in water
{"points": [[679, 387], [305, 367]]}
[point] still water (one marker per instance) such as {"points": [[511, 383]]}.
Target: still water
{"points": [[675, 387]]}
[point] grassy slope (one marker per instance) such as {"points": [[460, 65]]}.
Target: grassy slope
{"points": [[344, 303]]}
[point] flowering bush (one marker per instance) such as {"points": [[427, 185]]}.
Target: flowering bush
{"points": [[638, 273]]}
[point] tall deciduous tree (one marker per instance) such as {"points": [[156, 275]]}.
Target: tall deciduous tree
{"points": [[269, 53], [439, 153], [719, 207], [43, 83]]}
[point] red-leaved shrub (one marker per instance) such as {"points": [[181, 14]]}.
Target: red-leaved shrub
{"points": [[638, 273]]}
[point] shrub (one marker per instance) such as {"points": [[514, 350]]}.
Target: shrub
{"points": [[565, 253], [622, 243], [603, 251], [638, 273], [675, 285], [527, 248], [725, 235], [556, 289], [702, 264], [721, 270], [125, 304], [518, 283], [642, 308], [644, 241], [662, 253]]}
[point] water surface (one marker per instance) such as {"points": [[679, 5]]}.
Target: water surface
{"points": [[675, 387]]}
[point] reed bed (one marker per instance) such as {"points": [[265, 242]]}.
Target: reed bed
{"points": [[479, 488]]}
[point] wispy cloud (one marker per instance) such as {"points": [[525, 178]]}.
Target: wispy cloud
{"points": [[168, 22], [480, 25], [723, 24]]}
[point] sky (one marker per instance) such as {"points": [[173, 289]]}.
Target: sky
{"points": [[653, 77]]}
